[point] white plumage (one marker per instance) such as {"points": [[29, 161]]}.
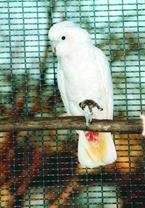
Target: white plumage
{"points": [[83, 73]]}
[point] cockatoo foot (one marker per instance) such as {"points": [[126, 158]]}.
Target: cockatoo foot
{"points": [[87, 106], [91, 104], [88, 118]]}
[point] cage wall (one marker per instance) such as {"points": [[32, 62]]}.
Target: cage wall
{"points": [[41, 168]]}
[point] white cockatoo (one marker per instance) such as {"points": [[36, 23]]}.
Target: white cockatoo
{"points": [[85, 84]]}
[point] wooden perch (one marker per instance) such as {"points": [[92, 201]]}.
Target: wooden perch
{"points": [[70, 123]]}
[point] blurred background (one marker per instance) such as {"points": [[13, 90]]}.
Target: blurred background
{"points": [[40, 168]]}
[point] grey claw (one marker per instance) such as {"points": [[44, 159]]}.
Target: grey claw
{"points": [[91, 104]]}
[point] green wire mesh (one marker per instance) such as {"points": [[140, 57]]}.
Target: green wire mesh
{"points": [[40, 169]]}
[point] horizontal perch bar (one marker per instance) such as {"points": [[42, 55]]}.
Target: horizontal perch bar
{"points": [[70, 122]]}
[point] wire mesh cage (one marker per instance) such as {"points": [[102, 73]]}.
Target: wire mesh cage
{"points": [[40, 168]]}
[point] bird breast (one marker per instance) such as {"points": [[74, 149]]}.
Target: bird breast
{"points": [[81, 79]]}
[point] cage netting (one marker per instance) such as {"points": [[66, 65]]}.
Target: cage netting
{"points": [[40, 168]]}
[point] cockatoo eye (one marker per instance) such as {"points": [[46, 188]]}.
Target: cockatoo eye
{"points": [[63, 37]]}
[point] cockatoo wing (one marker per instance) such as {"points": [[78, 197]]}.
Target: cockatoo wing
{"points": [[61, 84], [106, 80], [104, 153]]}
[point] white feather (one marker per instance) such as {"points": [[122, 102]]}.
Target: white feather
{"points": [[83, 73], [90, 156]]}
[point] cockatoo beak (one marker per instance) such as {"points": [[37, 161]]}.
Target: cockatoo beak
{"points": [[53, 46]]}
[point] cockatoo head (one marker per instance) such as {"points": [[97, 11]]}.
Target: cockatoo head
{"points": [[66, 38]]}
